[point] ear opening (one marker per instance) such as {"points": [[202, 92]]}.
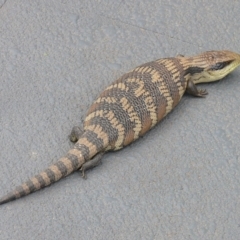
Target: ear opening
{"points": [[193, 70]]}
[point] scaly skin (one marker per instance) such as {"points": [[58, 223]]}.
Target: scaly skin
{"points": [[131, 106]]}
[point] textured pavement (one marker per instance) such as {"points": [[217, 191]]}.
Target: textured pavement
{"points": [[180, 181]]}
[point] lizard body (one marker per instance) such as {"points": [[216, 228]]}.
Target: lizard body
{"points": [[129, 107]]}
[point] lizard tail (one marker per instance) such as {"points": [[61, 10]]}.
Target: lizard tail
{"points": [[85, 148]]}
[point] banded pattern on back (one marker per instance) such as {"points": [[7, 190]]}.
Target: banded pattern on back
{"points": [[138, 100]]}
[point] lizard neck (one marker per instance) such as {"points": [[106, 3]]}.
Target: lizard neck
{"points": [[194, 69]]}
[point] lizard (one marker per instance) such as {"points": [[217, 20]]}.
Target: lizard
{"points": [[128, 108]]}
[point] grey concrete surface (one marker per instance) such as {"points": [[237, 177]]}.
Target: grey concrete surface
{"points": [[180, 181]]}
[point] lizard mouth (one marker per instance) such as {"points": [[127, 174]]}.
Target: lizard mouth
{"points": [[221, 70], [216, 72]]}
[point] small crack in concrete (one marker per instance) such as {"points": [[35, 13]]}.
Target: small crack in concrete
{"points": [[146, 29], [3, 4]]}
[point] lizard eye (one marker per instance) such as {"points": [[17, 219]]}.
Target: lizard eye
{"points": [[220, 65]]}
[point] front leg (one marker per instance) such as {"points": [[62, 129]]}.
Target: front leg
{"points": [[193, 90]]}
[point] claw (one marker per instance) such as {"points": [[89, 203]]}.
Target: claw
{"points": [[202, 93]]}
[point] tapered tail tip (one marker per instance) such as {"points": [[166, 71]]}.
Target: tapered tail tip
{"points": [[7, 198]]}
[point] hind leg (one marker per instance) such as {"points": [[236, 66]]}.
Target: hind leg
{"points": [[180, 56], [95, 161], [76, 133]]}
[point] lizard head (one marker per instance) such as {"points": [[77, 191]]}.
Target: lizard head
{"points": [[213, 65]]}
